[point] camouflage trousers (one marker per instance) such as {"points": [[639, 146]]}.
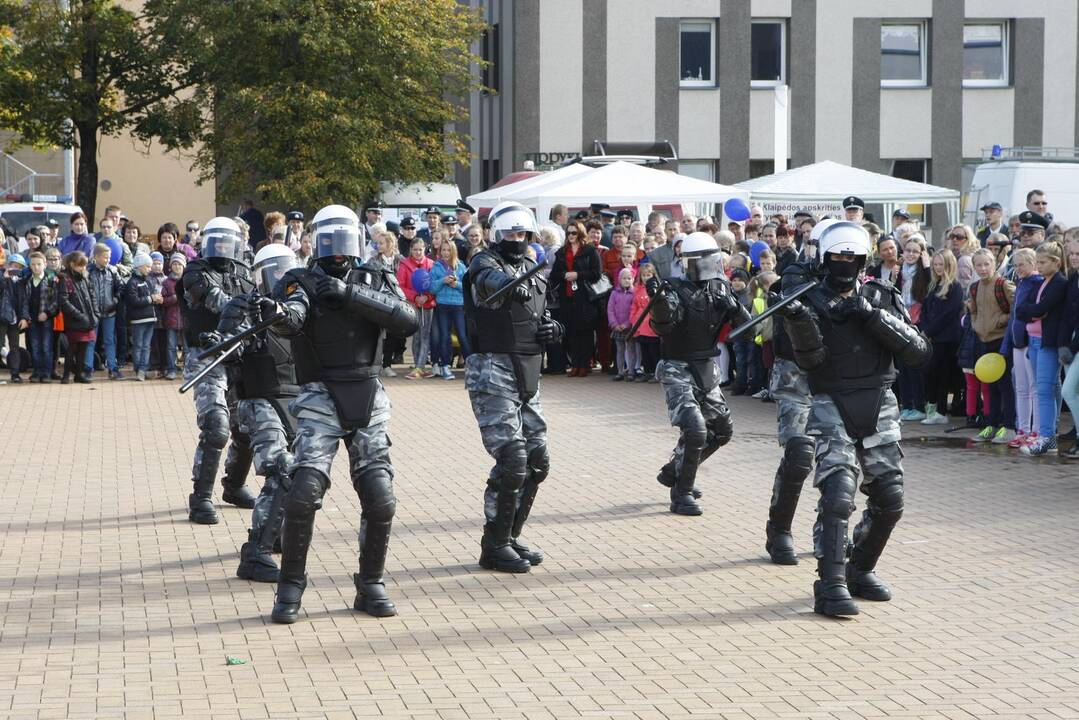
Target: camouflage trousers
{"points": [[790, 389], [215, 410], [690, 407], [874, 457], [271, 437], [502, 416]]}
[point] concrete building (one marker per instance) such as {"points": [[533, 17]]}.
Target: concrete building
{"points": [[916, 88]]}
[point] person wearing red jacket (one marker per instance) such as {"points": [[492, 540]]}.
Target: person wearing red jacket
{"points": [[647, 339], [424, 300]]}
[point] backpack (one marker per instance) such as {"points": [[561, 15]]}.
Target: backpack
{"points": [[998, 292]]}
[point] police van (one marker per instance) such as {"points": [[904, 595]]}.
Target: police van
{"points": [[1007, 174], [21, 216]]}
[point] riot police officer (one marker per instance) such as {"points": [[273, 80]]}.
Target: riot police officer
{"points": [[688, 315], [846, 336], [790, 388], [264, 379], [206, 287], [508, 334], [336, 314]]}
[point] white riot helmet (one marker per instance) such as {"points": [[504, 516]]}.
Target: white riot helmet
{"points": [[701, 258], [271, 264], [844, 248], [222, 238], [337, 234], [508, 219], [811, 246]]}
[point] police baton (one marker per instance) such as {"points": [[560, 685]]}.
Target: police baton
{"points": [[784, 301], [647, 309], [237, 339], [515, 283], [206, 370]]}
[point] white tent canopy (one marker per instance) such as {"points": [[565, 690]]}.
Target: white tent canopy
{"points": [[495, 195], [829, 182], [623, 183]]}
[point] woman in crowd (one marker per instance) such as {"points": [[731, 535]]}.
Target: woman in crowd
{"points": [[447, 278], [1047, 326], [79, 307], [577, 264], [551, 238], [168, 242], [388, 260], [941, 310], [913, 281], [1015, 344], [991, 300], [474, 236], [35, 240], [425, 303], [80, 239], [964, 242], [1069, 356]]}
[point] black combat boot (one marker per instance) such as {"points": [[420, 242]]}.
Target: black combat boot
{"points": [[499, 554], [233, 489], [256, 562], [830, 594], [296, 535], [371, 596], [668, 476], [882, 513], [528, 497], [682, 500], [200, 503], [792, 472], [780, 545]]}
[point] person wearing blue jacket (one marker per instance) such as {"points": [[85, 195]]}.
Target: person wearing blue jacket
{"points": [[1015, 345], [447, 276], [1047, 324], [941, 310], [1069, 356]]}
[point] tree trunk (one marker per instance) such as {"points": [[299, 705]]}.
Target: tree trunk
{"points": [[86, 187]]}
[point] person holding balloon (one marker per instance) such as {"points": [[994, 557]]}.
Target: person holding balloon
{"points": [[447, 276], [414, 277], [991, 299]]}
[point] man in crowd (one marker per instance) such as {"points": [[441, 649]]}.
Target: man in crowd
{"points": [[688, 224], [434, 221], [560, 215], [255, 223], [408, 234], [372, 215], [1038, 203], [994, 221], [899, 217], [1032, 227], [607, 218], [853, 209], [191, 235], [54, 231], [295, 224], [119, 253], [465, 213]]}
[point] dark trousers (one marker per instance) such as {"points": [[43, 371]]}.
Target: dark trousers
{"points": [[911, 388], [649, 353], [41, 348], [73, 361], [14, 359], [743, 360], [1001, 393], [556, 353], [450, 318], [940, 375], [580, 346]]}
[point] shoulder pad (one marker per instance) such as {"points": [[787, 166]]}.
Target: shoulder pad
{"points": [[293, 280]]}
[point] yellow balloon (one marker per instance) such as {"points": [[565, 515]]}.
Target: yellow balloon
{"points": [[990, 368]]}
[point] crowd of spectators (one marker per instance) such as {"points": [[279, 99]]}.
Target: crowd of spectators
{"points": [[1009, 287]]}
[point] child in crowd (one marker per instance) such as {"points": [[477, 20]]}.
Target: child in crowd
{"points": [[157, 342], [990, 303], [913, 283], [79, 306], [13, 313], [628, 260], [619, 317], [941, 310], [447, 278], [1016, 344], [424, 302], [1046, 328], [108, 287], [139, 297], [762, 358], [767, 261], [43, 305], [53, 260], [742, 347], [646, 338], [172, 320]]}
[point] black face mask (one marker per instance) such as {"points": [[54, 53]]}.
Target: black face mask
{"points": [[334, 267], [842, 275], [512, 252], [220, 264]]}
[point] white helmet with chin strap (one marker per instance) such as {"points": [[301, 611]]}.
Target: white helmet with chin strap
{"points": [[270, 265], [701, 258], [337, 233], [507, 219], [221, 238], [844, 249]]}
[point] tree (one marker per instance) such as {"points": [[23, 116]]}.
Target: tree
{"points": [[318, 101], [98, 65]]}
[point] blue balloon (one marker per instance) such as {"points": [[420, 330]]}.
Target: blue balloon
{"points": [[421, 281], [755, 251], [540, 255], [736, 209]]}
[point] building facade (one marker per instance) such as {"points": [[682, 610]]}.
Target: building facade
{"points": [[915, 88]]}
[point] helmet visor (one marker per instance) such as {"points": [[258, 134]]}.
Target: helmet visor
{"points": [[223, 244], [334, 241], [270, 271]]}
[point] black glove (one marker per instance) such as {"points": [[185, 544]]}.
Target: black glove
{"points": [[787, 311], [855, 306], [520, 293], [550, 331], [209, 339], [267, 308], [723, 298], [653, 285], [330, 290]]}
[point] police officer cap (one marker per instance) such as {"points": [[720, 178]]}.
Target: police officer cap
{"points": [[375, 206], [994, 205], [608, 213], [408, 222], [295, 215], [433, 210], [596, 207], [803, 213], [852, 201], [52, 222], [449, 219], [393, 227], [1031, 219], [625, 213], [900, 212], [462, 205], [581, 215]]}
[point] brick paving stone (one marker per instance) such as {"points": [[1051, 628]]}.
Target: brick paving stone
{"points": [[115, 606]]}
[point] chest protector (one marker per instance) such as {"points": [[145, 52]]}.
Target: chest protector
{"points": [[265, 370], [200, 319], [695, 337], [855, 359], [509, 327]]}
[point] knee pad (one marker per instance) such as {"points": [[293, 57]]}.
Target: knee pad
{"points": [[539, 464], [513, 465], [695, 433], [305, 492], [886, 497], [798, 454], [837, 496], [721, 430], [215, 429], [375, 488]]}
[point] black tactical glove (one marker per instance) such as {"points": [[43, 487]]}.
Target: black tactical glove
{"points": [[856, 307], [654, 285], [330, 290], [267, 308], [723, 297], [787, 311], [520, 294], [209, 339], [550, 331]]}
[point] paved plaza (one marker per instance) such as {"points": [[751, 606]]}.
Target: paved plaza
{"points": [[115, 606]]}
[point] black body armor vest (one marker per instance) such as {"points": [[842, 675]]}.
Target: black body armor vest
{"points": [[696, 336], [201, 319], [509, 327], [856, 360], [265, 370]]}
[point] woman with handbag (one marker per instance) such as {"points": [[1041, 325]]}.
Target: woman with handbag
{"points": [[576, 275]]}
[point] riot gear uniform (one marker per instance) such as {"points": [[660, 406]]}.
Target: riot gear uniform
{"points": [[336, 324], [688, 316], [502, 379], [205, 288], [846, 341]]}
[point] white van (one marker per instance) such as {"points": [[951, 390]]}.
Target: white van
{"points": [[1007, 180], [22, 216]]}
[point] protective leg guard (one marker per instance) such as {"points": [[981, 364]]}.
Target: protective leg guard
{"points": [[830, 594], [375, 488], [269, 535], [513, 464], [793, 470], [256, 563], [539, 465], [694, 437], [668, 475], [303, 500], [200, 504], [884, 507], [237, 463]]}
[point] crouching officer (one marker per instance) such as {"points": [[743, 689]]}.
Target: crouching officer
{"points": [[203, 292], [846, 336], [336, 314], [688, 315], [264, 379], [502, 378]]}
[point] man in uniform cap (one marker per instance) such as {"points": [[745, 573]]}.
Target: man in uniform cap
{"points": [[994, 221], [434, 221], [295, 223], [453, 232], [372, 216], [581, 215], [408, 234], [1032, 227], [54, 230], [854, 208], [464, 213], [606, 217]]}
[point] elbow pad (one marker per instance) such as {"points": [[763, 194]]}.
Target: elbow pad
{"points": [[905, 341], [397, 316], [667, 309], [806, 339]]}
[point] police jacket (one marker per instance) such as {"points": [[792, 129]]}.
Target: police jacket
{"points": [[264, 368], [508, 326], [689, 317], [203, 293]]}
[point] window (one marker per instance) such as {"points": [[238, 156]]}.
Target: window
{"points": [[698, 54], [916, 170], [768, 50], [985, 55], [701, 170], [491, 53], [902, 55]]}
